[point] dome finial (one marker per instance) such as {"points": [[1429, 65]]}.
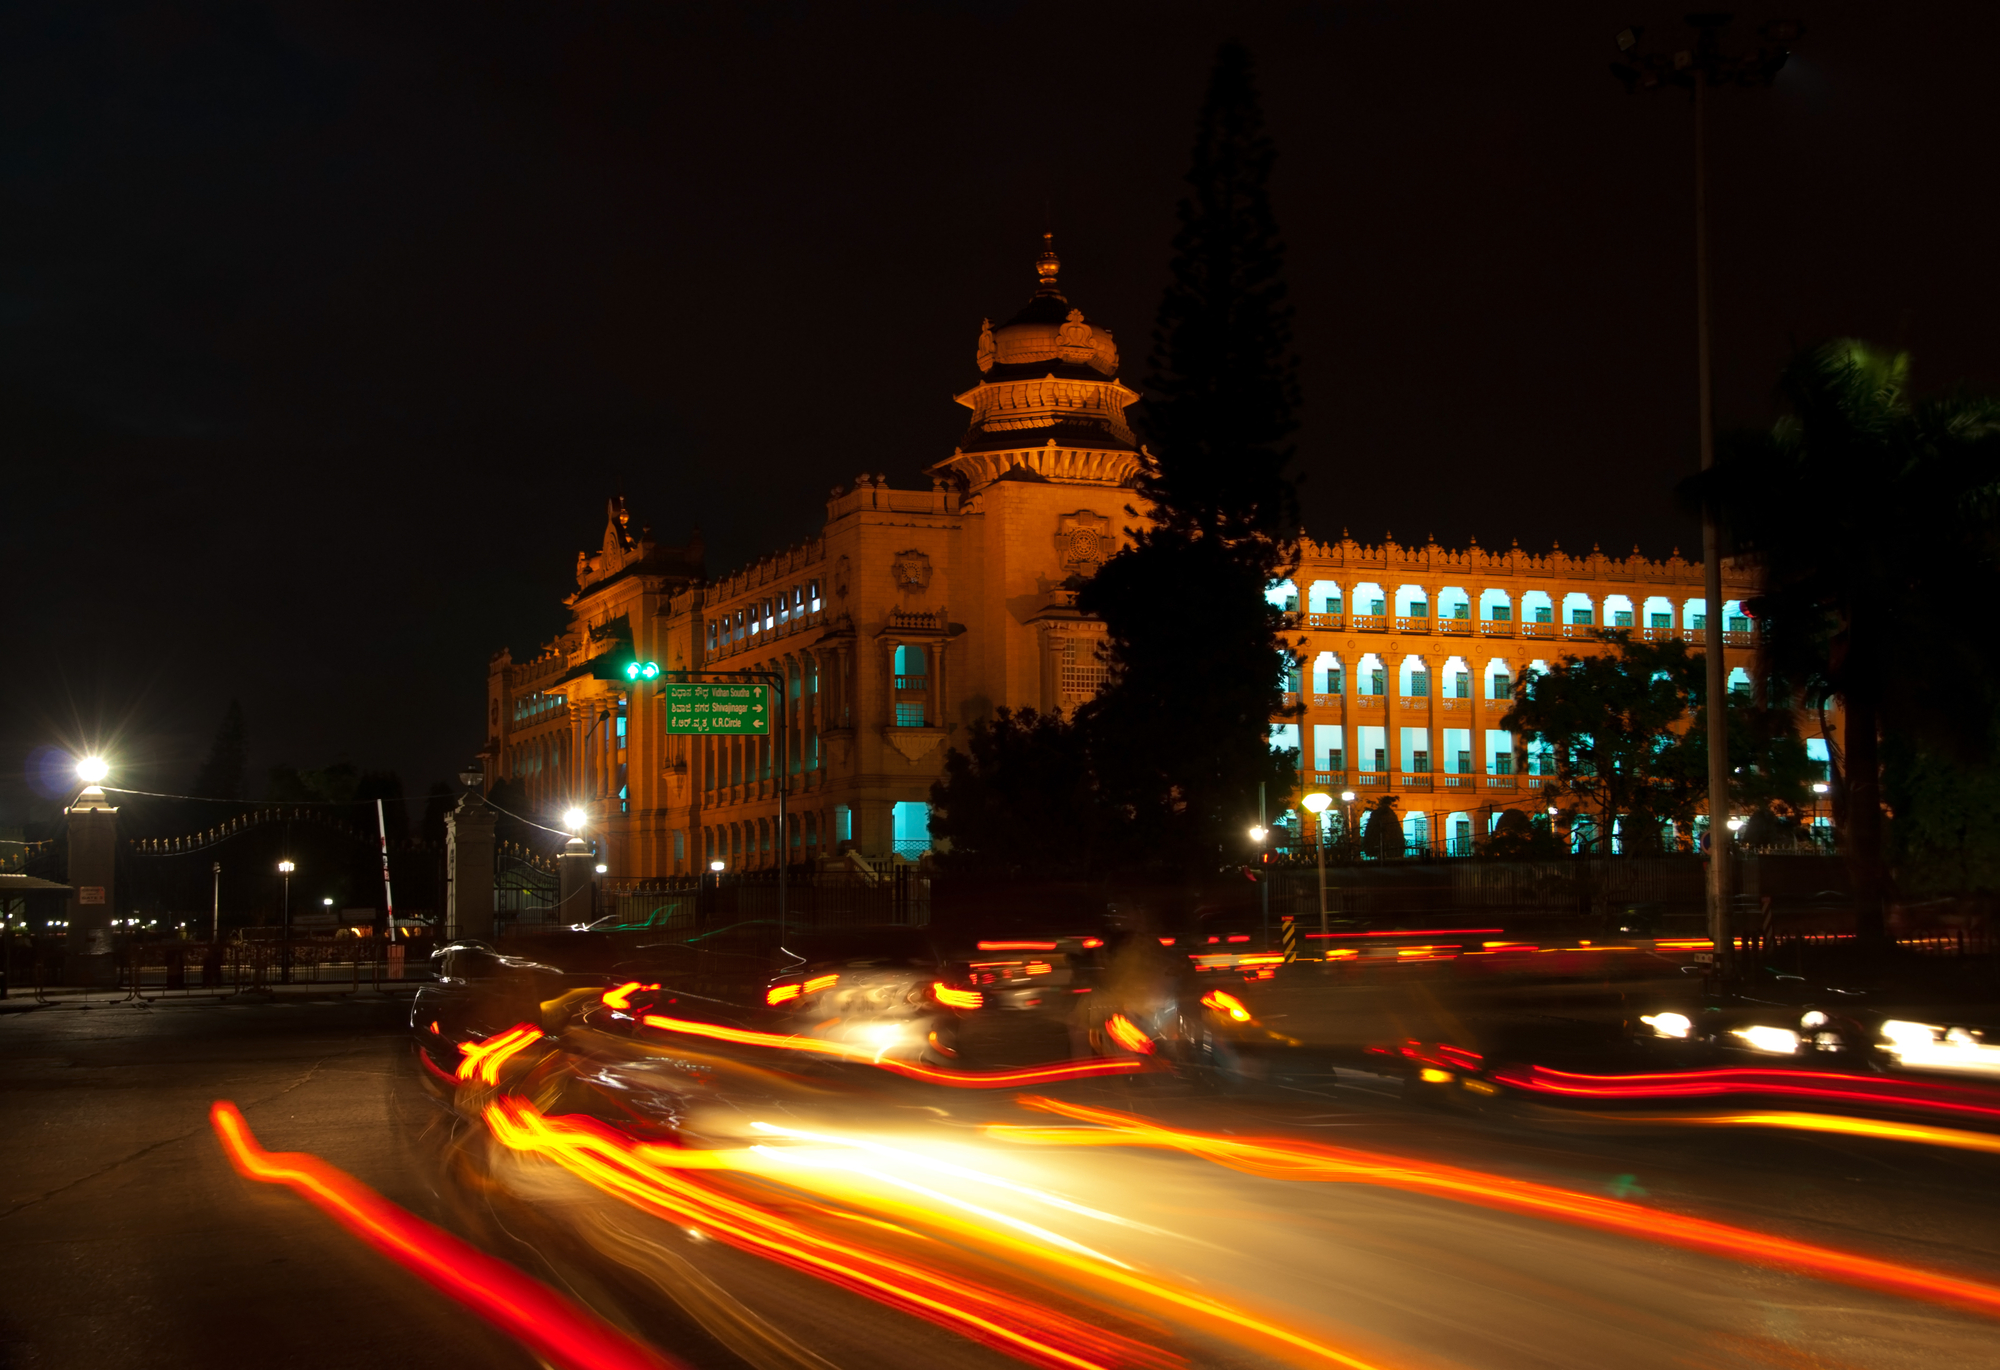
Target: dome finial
{"points": [[1046, 267]]}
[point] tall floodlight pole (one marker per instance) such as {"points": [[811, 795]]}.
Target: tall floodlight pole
{"points": [[1697, 69]]}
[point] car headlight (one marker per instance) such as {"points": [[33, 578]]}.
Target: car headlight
{"points": [[1668, 1024], [1777, 1041]]}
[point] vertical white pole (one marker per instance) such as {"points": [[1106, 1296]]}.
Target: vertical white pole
{"points": [[388, 895]]}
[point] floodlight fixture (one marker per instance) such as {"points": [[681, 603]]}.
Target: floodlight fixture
{"points": [[1318, 802]]}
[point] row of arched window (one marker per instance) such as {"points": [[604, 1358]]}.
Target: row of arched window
{"points": [[1368, 599]]}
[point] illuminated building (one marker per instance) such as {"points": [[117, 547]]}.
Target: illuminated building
{"points": [[914, 613], [910, 615]]}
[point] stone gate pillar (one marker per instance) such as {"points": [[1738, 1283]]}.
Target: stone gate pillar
{"points": [[468, 847], [93, 869], [574, 869]]}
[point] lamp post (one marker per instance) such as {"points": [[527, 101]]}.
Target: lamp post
{"points": [[1820, 790], [285, 868], [1258, 832], [1347, 798], [1697, 69], [1317, 803]]}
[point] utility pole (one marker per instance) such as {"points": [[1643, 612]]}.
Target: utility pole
{"points": [[1697, 70], [215, 928]]}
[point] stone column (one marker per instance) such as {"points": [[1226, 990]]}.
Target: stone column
{"points": [[574, 868], [93, 864], [468, 848]]}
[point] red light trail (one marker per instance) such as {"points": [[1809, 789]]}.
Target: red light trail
{"points": [[1963, 1100], [553, 1327]]}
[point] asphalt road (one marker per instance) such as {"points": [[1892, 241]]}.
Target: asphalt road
{"points": [[126, 1239]]}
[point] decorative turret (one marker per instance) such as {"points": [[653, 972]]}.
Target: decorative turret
{"points": [[1050, 405]]}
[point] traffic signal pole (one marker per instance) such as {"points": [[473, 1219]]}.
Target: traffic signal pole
{"points": [[776, 681]]}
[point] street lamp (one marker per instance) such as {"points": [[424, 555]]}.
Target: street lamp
{"points": [[285, 868], [716, 866], [92, 770], [1317, 803], [574, 819], [1697, 69]]}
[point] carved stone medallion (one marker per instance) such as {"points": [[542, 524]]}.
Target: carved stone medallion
{"points": [[912, 570], [1083, 542]]}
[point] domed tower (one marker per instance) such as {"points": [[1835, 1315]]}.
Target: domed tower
{"points": [[1049, 405]]}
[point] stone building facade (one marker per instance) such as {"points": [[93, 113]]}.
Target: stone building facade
{"points": [[914, 613]]}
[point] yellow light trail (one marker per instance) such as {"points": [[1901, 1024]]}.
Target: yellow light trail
{"points": [[1281, 1159]]}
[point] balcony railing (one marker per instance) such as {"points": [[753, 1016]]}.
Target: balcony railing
{"points": [[1325, 701], [913, 682], [1413, 625], [1456, 782], [1496, 627], [1331, 780], [1541, 629], [1454, 625], [1501, 782], [1407, 781], [1371, 780], [1370, 623], [1326, 622]]}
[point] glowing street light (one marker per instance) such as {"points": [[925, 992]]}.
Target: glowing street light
{"points": [[91, 770], [716, 866], [1317, 803], [285, 868], [1821, 787], [574, 819], [1258, 832]]}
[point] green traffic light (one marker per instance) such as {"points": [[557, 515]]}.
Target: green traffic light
{"points": [[642, 670]]}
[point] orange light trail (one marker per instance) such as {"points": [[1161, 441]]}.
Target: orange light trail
{"points": [[820, 982], [647, 1176], [1288, 1160], [957, 998], [621, 997], [1023, 946], [1956, 1138], [988, 1079], [484, 1059], [553, 1327], [1127, 1035], [779, 994], [1227, 1004]]}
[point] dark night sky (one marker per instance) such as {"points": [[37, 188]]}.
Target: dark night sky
{"points": [[326, 329]]}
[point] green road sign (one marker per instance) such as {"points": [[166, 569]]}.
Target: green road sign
{"points": [[740, 709]]}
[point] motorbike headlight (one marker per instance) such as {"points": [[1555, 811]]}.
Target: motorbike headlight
{"points": [[1668, 1024]]}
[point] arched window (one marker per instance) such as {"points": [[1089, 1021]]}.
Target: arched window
{"points": [[1659, 613], [1454, 603], [910, 665], [1323, 597], [1618, 612], [1537, 607], [1457, 679], [1694, 615], [1327, 675], [1369, 600], [1495, 606], [1578, 611], [1412, 601], [1413, 678], [1370, 677], [1499, 679], [1740, 686]]}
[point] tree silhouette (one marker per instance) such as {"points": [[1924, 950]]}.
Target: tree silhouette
{"points": [[221, 775]]}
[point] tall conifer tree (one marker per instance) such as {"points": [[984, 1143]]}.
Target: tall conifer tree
{"points": [[1179, 736], [221, 775]]}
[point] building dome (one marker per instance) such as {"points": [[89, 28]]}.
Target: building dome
{"points": [[1049, 404], [1048, 332]]}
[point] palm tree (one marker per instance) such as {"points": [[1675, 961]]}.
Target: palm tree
{"points": [[1872, 518]]}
